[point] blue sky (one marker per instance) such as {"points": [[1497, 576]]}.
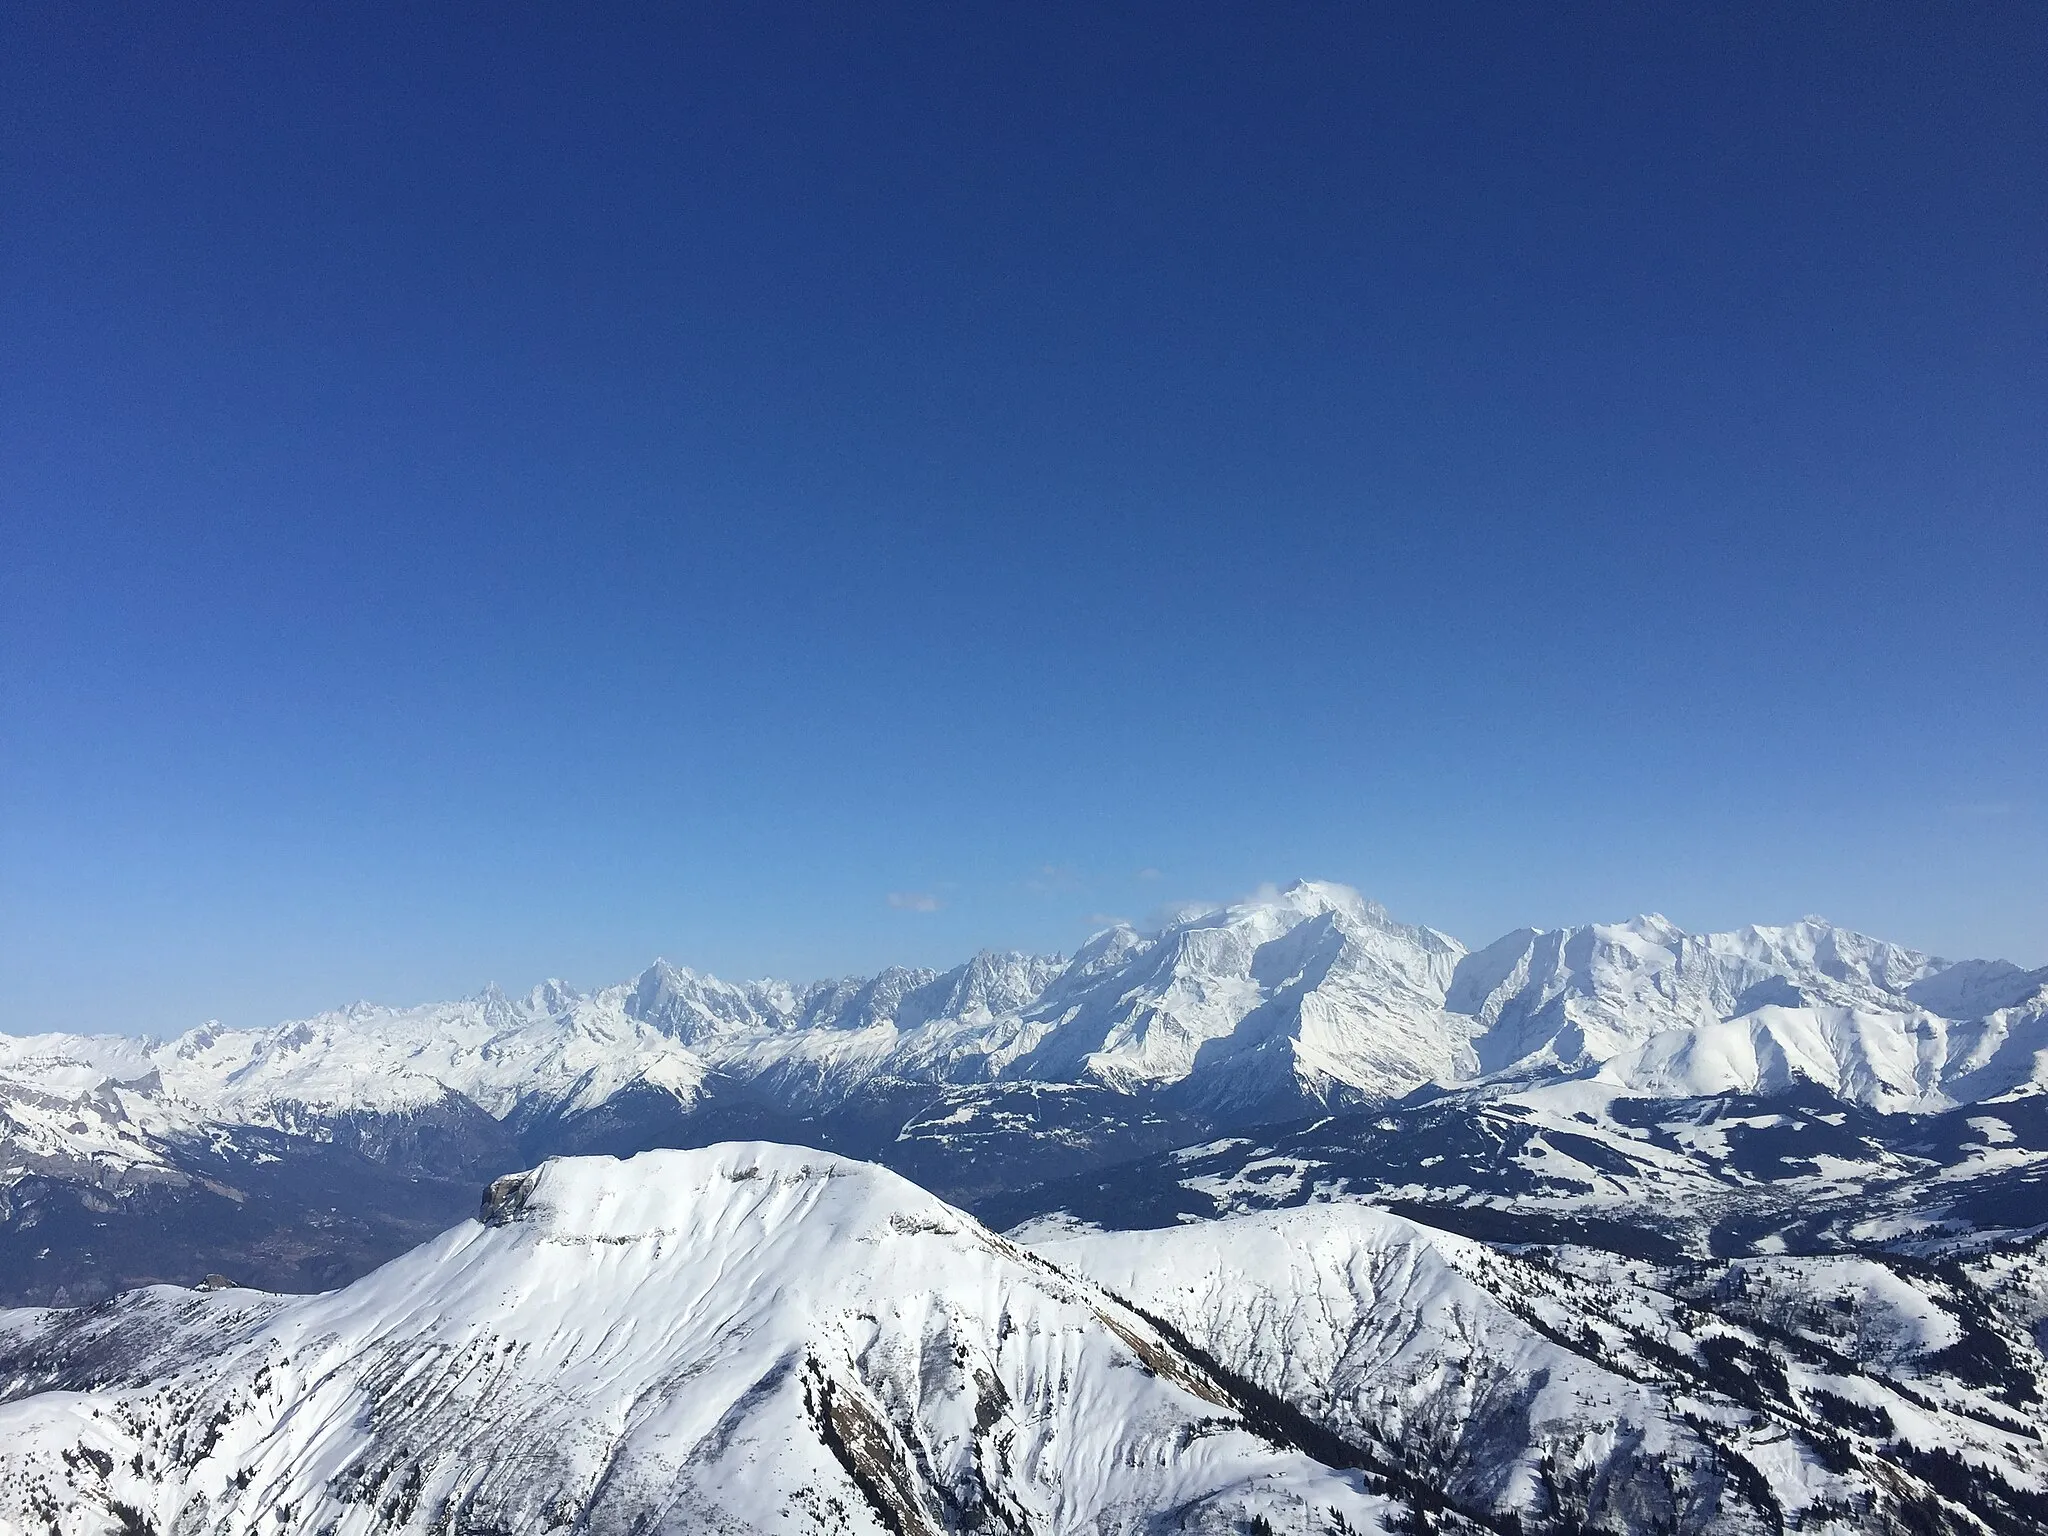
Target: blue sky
{"points": [[491, 494]]}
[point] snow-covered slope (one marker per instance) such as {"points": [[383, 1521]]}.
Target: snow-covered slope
{"points": [[1890, 1060], [1605, 987], [1376, 1326], [1571, 1390], [553, 1047], [82, 1105], [2006, 1052], [1678, 1014], [748, 1338]]}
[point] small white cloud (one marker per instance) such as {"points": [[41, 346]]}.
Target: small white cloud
{"points": [[1054, 877], [1177, 912], [913, 901], [1149, 873], [1106, 920]]}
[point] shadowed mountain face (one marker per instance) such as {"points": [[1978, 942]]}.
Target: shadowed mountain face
{"points": [[299, 1156]]}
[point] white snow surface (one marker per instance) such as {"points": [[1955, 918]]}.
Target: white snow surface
{"points": [[668, 1344]]}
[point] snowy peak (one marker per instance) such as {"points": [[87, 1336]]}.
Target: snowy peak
{"points": [[1969, 989], [60, 1064], [1758, 1009], [1814, 945], [992, 983], [554, 1046], [1274, 913], [1309, 898], [688, 1007], [1298, 993], [1289, 997]]}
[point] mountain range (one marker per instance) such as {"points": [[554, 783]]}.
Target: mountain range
{"points": [[1288, 1216], [302, 1154]]}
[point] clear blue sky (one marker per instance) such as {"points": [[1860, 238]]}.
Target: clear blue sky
{"points": [[494, 491]]}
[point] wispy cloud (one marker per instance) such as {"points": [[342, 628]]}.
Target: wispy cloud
{"points": [[913, 901], [1105, 920], [1055, 877], [1983, 809], [1149, 873], [1178, 912]]}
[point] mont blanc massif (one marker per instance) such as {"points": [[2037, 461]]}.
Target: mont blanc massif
{"points": [[1289, 1217]]}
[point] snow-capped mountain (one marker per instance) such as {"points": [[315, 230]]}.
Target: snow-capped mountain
{"points": [[1311, 990], [1009, 1070], [81, 1101], [749, 1338], [1671, 1013], [553, 1047], [1599, 990], [1310, 994]]}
